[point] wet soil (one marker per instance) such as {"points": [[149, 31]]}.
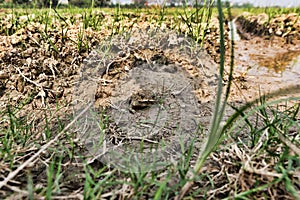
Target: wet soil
{"points": [[266, 62]]}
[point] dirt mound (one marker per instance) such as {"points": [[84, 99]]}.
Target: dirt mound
{"points": [[286, 26], [154, 87], [38, 64]]}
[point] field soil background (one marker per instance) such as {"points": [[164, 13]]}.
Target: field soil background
{"points": [[42, 53]]}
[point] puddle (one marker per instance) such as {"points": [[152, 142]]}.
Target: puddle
{"points": [[265, 55], [233, 28], [266, 59], [283, 67], [265, 64], [279, 62]]}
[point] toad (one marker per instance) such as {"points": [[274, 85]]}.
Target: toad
{"points": [[141, 100]]}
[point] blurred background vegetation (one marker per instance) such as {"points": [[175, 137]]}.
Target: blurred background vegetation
{"points": [[53, 3], [105, 3]]}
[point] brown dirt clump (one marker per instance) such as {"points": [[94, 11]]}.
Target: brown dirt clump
{"points": [[286, 26]]}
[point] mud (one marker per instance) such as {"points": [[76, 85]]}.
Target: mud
{"points": [[265, 62]]}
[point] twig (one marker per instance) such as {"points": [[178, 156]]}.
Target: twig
{"points": [[288, 143], [43, 148], [140, 138], [42, 92], [175, 93], [115, 61], [27, 79], [184, 190], [74, 196], [17, 190]]}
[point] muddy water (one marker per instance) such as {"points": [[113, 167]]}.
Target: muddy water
{"points": [[280, 61], [266, 65], [233, 29], [275, 61], [283, 67]]}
